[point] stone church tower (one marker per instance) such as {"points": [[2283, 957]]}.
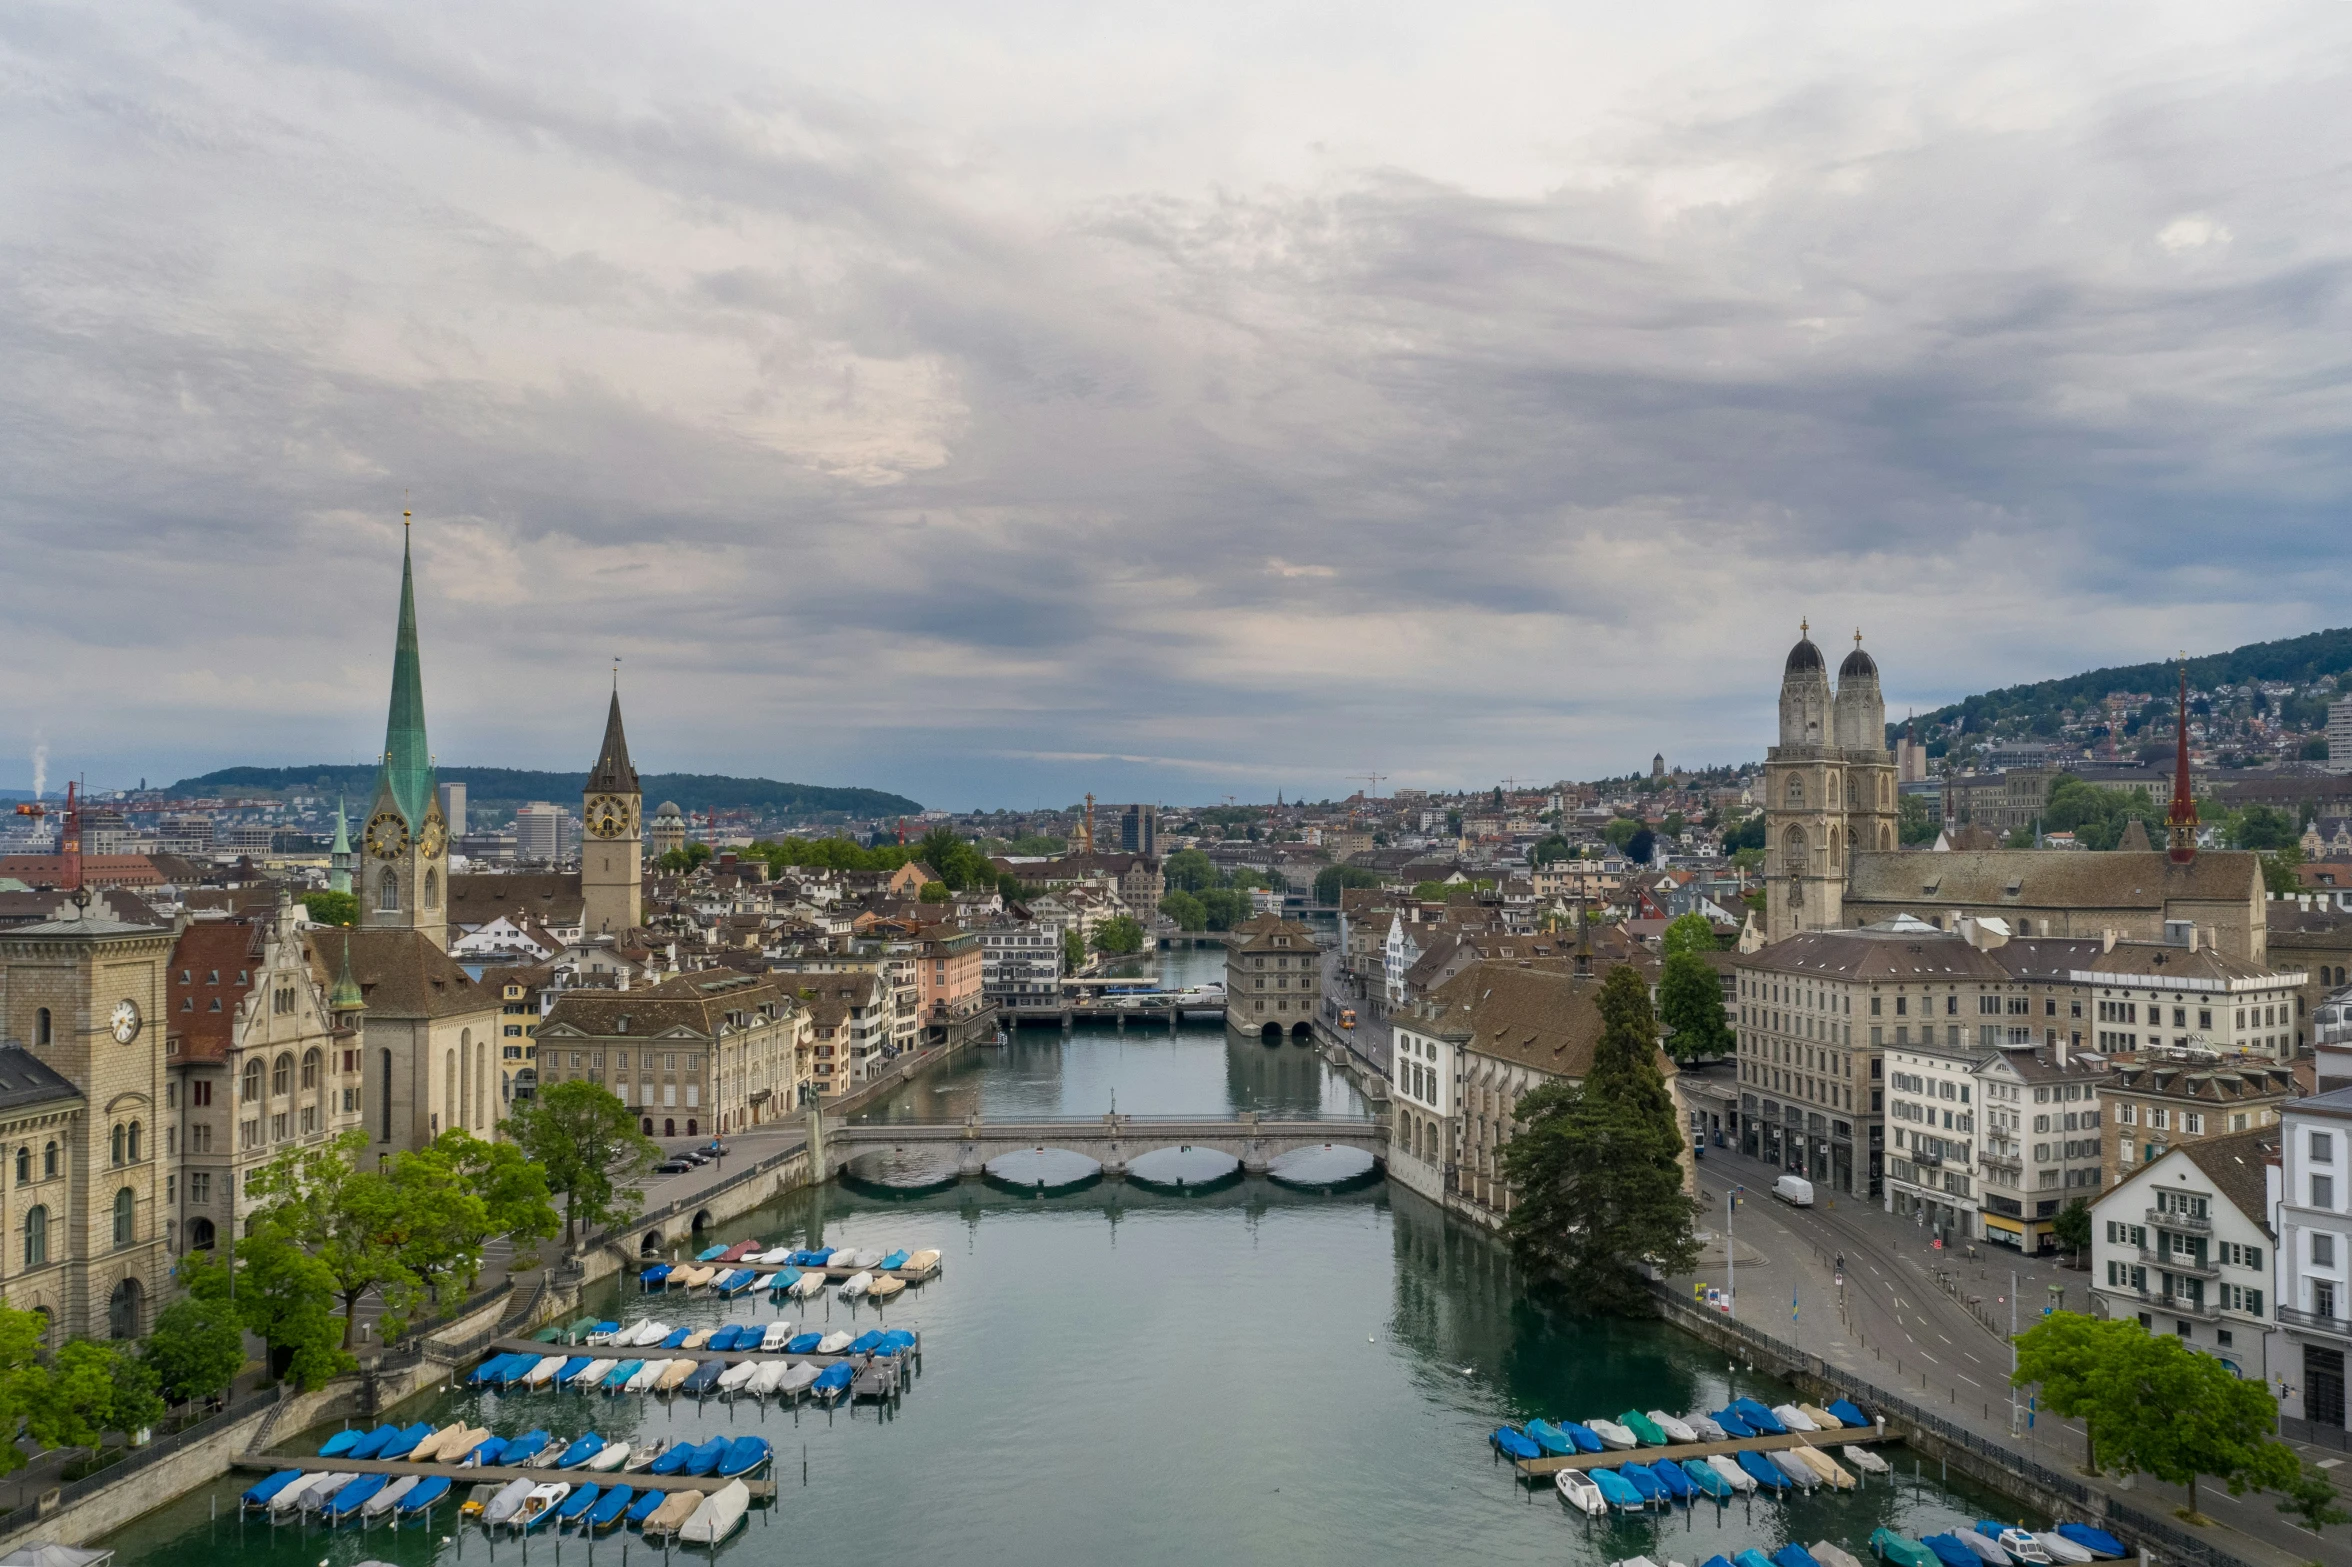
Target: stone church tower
{"points": [[612, 857], [405, 882], [1829, 788]]}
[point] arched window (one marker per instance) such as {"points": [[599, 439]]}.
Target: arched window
{"points": [[201, 1235], [1796, 791], [386, 1071], [1886, 793], [1792, 850], [114, 1144], [36, 1236], [310, 1069], [282, 1075], [1853, 794], [126, 1208], [122, 1310], [41, 1034], [49, 1161], [432, 891], [481, 1085], [24, 1165], [134, 1141], [252, 1081], [388, 892], [1886, 838]]}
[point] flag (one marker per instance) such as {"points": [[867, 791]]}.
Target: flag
{"points": [[1792, 1305]]}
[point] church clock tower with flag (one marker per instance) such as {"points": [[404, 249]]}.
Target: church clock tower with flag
{"points": [[612, 857], [404, 847]]}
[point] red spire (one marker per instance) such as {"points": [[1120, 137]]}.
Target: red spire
{"points": [[2180, 822], [70, 843]]}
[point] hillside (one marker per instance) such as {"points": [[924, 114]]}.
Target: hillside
{"points": [[484, 785]]}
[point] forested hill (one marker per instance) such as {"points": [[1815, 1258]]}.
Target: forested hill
{"points": [[2300, 660], [691, 791]]}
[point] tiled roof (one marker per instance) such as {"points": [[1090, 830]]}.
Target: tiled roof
{"points": [[2085, 880], [535, 897], [27, 1080], [697, 1002], [1891, 956], [401, 974], [212, 954]]}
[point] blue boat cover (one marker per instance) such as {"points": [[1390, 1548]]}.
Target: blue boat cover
{"points": [[578, 1502], [1764, 1420], [581, 1451], [1951, 1552], [1550, 1437], [864, 1343], [425, 1493], [743, 1455], [1705, 1478], [613, 1380], [1581, 1435], [1614, 1489], [1750, 1557], [1761, 1470], [1793, 1555], [836, 1376], [2096, 1541], [706, 1376], [341, 1442], [358, 1491], [371, 1443], [706, 1457], [647, 1505], [671, 1462], [1670, 1476], [1640, 1478], [899, 1338], [258, 1494], [525, 1446], [1848, 1413], [896, 1259], [490, 1452], [608, 1510], [1732, 1424], [1717, 1560], [677, 1337], [803, 1343], [784, 1280], [712, 1254], [1510, 1443], [573, 1367], [655, 1274], [606, 1327]]}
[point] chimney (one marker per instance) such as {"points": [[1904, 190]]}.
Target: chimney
{"points": [[2107, 941], [2058, 1039]]}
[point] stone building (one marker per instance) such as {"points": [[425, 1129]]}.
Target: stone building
{"points": [[1829, 788], [704, 1054], [2184, 1247], [2312, 1278], [2164, 1098], [612, 854], [1273, 978]]}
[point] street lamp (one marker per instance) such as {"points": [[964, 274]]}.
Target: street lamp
{"points": [[1730, 1254]]}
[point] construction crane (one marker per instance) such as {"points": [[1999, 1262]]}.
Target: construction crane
{"points": [[1374, 779]]}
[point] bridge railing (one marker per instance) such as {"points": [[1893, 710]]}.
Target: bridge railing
{"points": [[1337, 1123]]}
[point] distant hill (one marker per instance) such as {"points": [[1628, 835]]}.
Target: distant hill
{"points": [[2300, 660], [692, 791]]}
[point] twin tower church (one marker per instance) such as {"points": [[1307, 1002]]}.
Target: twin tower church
{"points": [[401, 877]]}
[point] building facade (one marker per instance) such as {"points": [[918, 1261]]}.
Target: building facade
{"points": [[701, 1055], [1829, 788], [2165, 1097], [1273, 977], [2184, 1246], [2043, 1140], [612, 856], [2312, 1282]]}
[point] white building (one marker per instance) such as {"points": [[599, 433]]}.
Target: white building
{"points": [[2183, 1246], [2313, 1279], [2339, 736], [2042, 1139], [1020, 962], [1931, 1129], [542, 833]]}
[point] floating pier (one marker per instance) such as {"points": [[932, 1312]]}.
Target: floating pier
{"points": [[526, 1346], [1611, 1457], [500, 1474]]}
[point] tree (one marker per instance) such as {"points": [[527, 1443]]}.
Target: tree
{"points": [[958, 862], [197, 1348], [1690, 1003], [2262, 827], [351, 1221], [1620, 830], [1598, 1166], [1118, 935], [1642, 846], [1692, 932], [1186, 910], [1073, 950], [2181, 1415], [331, 908], [1552, 846], [1189, 870], [2278, 870], [1749, 834], [684, 859], [1331, 880], [281, 1294], [935, 892], [1010, 888], [2066, 1353], [2311, 1496], [2072, 1226], [1223, 908], [1912, 823], [587, 1143]]}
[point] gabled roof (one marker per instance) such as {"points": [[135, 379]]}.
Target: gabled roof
{"points": [[527, 897], [2036, 879], [27, 1080], [696, 1004], [402, 974], [1878, 953], [2233, 1163]]}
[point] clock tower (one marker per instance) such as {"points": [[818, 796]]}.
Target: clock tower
{"points": [[612, 854], [403, 875]]}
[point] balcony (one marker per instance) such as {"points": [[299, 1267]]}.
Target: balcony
{"points": [[2171, 1305], [2338, 1327], [2179, 1262], [2173, 1219], [2003, 1172]]}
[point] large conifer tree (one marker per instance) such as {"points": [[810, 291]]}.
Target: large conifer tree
{"points": [[1598, 1166]]}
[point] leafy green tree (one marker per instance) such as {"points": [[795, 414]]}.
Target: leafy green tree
{"points": [[2072, 1226], [959, 863], [1118, 936], [349, 1219], [1642, 847], [1673, 824], [2181, 1415], [1550, 847], [1692, 932], [1690, 1003], [1749, 834], [2312, 1497], [587, 1143], [1189, 870], [331, 908], [197, 1348], [96, 1387], [683, 859], [1186, 910], [1331, 880], [1912, 822], [2278, 870], [282, 1294], [1073, 951], [1009, 887], [935, 892], [1037, 843], [1598, 1166], [1620, 830], [2262, 827]]}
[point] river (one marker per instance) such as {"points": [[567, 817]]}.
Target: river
{"points": [[1121, 1372]]}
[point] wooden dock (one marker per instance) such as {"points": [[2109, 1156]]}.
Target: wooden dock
{"points": [[461, 1476], [526, 1346], [834, 1273], [1610, 1458]]}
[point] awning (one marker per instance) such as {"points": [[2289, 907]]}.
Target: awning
{"points": [[1995, 1222]]}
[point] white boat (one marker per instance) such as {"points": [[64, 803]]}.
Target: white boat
{"points": [[718, 1515], [2062, 1549], [856, 1285], [835, 1342], [318, 1496], [1865, 1460], [776, 1337], [1708, 1430], [645, 1376], [608, 1458], [732, 1379], [505, 1504], [1788, 1463], [764, 1283], [1672, 1427], [543, 1373], [1581, 1492], [1733, 1475], [808, 1284], [653, 1333], [796, 1379], [1829, 1555], [770, 1259], [592, 1373], [1609, 1431], [545, 1498], [768, 1378], [599, 1336], [1794, 1418], [1985, 1550], [641, 1457], [2021, 1544], [289, 1500], [1634, 1561], [389, 1497]]}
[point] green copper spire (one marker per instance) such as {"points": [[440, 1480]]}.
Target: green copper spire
{"points": [[339, 858], [346, 997], [408, 762]]}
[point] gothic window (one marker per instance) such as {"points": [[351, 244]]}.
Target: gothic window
{"points": [[1886, 794], [282, 1076], [388, 892], [1796, 791], [310, 1069], [252, 1082], [1853, 794], [36, 1237], [125, 1216], [1886, 838], [449, 1082], [432, 891], [1792, 850]]}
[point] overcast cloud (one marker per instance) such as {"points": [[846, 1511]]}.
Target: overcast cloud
{"points": [[997, 402]]}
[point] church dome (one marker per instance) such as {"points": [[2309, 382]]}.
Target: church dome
{"points": [[669, 808], [1857, 663], [1805, 657]]}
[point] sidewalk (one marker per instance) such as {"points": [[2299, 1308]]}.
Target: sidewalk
{"points": [[1910, 1317]]}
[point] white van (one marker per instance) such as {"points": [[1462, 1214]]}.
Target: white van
{"points": [[1794, 1190]]}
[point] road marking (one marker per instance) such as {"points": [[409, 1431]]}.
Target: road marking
{"points": [[1965, 1377], [1930, 1359]]}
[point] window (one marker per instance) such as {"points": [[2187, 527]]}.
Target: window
{"points": [[2323, 1148], [115, 1145], [49, 1162], [199, 1187], [200, 1092], [2323, 1191], [310, 1069], [24, 1166], [134, 1141], [41, 1031], [282, 1076], [388, 893], [36, 1237], [252, 1082], [125, 1217]]}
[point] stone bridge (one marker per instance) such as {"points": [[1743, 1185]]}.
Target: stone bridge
{"points": [[1112, 1141]]}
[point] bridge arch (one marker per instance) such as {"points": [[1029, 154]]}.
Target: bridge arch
{"points": [[702, 1220], [1271, 1033], [651, 1245]]}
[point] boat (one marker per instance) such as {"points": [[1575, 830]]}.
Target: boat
{"points": [[389, 1496], [706, 1458], [1762, 1420], [642, 1456], [1847, 1412], [803, 1343], [710, 1254], [576, 1505], [618, 1377], [675, 1378], [607, 1509], [1551, 1438], [2097, 1541], [318, 1496], [1750, 1558], [811, 1257], [718, 1516], [1717, 1560], [865, 1343], [257, 1497], [1948, 1551], [1640, 1478], [677, 1338], [885, 1286], [647, 1503], [1795, 1468], [1793, 1418], [775, 1336], [735, 1282], [602, 1333], [1672, 1480], [487, 1371], [1673, 1428], [1865, 1460], [427, 1491], [699, 1339], [855, 1286], [591, 1373], [287, 1498], [442, 1441], [807, 1286], [673, 1459], [2018, 1542], [1615, 1489], [921, 1261], [486, 1452], [732, 1379], [647, 1375], [671, 1515], [1644, 1429], [609, 1458], [834, 1343], [893, 1260], [1579, 1491], [833, 1379], [341, 1442], [1793, 1555], [540, 1505], [704, 1378], [1727, 1469], [697, 1277], [347, 1502], [581, 1450], [1587, 1440], [767, 1378], [1762, 1470], [1706, 1428], [650, 1334], [652, 1277], [371, 1444], [723, 1339], [1506, 1440], [1987, 1549], [578, 1332], [522, 1449], [2063, 1549], [1612, 1434], [1822, 1419], [745, 1455], [1702, 1474], [542, 1371], [478, 1500], [797, 1379], [1830, 1470], [1829, 1555], [1731, 1425], [782, 1283], [766, 1281], [774, 1256]]}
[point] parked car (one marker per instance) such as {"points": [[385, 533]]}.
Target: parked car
{"points": [[672, 1167], [1794, 1190]]}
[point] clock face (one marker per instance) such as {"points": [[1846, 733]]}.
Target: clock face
{"points": [[435, 836], [387, 835], [611, 815], [125, 1021]]}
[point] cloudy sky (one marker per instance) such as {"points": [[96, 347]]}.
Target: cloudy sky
{"points": [[997, 402]]}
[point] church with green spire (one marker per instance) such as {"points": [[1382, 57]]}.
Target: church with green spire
{"points": [[403, 877]]}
